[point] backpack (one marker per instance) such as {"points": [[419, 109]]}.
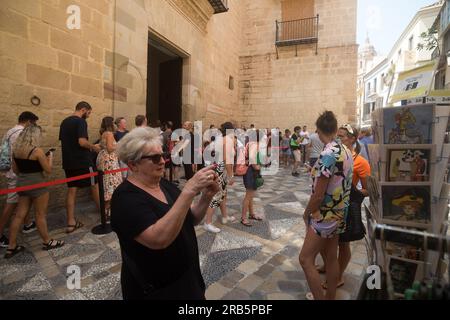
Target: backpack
{"points": [[242, 162], [293, 143], [5, 153]]}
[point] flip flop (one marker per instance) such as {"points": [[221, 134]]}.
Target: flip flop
{"points": [[255, 218], [12, 252], [324, 285], [77, 225], [52, 244], [247, 224]]}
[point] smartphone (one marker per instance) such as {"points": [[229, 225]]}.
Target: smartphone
{"points": [[51, 150]]}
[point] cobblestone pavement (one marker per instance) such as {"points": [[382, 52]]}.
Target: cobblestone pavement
{"points": [[260, 262]]}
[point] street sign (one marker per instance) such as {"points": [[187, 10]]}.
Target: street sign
{"points": [[414, 83]]}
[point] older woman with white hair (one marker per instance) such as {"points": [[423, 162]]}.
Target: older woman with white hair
{"points": [[155, 221]]}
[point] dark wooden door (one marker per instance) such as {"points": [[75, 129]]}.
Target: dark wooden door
{"points": [[170, 78]]}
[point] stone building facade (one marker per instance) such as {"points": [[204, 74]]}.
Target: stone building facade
{"points": [[230, 68]]}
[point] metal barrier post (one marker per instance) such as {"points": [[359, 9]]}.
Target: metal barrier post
{"points": [[104, 227]]}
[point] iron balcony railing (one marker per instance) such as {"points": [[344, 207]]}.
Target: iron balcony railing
{"points": [[219, 6], [295, 32]]}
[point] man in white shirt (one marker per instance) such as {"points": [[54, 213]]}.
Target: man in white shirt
{"points": [[304, 136], [25, 119]]}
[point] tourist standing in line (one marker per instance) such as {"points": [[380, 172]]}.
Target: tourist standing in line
{"points": [[305, 139], [140, 121], [29, 164], [77, 160], [315, 148], [286, 152], [26, 118], [121, 131]]}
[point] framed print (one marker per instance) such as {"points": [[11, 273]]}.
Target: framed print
{"points": [[409, 164], [408, 124], [406, 205], [403, 273], [401, 250]]}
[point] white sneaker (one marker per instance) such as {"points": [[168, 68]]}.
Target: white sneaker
{"points": [[211, 228], [231, 219]]}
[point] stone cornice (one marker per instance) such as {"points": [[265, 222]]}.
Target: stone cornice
{"points": [[198, 12]]}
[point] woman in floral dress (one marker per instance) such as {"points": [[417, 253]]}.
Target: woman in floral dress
{"points": [[107, 160]]}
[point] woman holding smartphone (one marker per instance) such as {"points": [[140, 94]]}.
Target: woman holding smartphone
{"points": [[30, 163]]}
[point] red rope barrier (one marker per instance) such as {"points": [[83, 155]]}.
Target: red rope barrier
{"points": [[59, 181]]}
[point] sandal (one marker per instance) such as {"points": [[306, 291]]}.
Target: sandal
{"points": [[52, 244], [246, 223], [251, 217], [340, 284], [12, 252], [77, 225]]}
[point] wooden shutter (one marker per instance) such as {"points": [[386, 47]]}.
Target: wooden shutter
{"points": [[295, 10]]}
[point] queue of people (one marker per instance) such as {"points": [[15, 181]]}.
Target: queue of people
{"points": [[155, 221]]}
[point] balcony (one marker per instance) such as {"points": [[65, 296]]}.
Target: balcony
{"points": [[297, 32], [219, 6]]}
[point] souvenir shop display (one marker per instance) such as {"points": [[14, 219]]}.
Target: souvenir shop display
{"points": [[408, 254], [408, 193]]}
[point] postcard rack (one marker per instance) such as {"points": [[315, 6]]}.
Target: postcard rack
{"points": [[425, 276]]}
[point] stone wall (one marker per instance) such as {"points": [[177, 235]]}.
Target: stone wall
{"points": [[40, 56], [293, 89]]}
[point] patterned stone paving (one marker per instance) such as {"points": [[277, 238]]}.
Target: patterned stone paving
{"points": [[258, 262]]}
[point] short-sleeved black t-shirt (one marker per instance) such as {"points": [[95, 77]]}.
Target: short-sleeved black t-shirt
{"points": [[73, 155], [174, 271]]}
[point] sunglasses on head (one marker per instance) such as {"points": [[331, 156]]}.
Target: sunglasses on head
{"points": [[348, 128], [156, 158]]}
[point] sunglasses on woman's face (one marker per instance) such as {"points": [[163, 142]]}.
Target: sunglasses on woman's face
{"points": [[156, 158]]}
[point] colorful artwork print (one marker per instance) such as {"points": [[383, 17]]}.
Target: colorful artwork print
{"points": [[409, 165], [408, 125], [404, 251], [403, 273], [406, 204]]}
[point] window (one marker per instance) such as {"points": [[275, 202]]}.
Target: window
{"points": [[368, 88], [231, 83], [411, 43], [375, 84], [382, 81], [295, 9], [360, 64]]}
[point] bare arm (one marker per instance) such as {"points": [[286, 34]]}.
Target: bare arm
{"points": [[110, 142], [199, 209], [364, 187], [162, 234], [14, 167], [45, 162], [84, 143], [317, 197]]}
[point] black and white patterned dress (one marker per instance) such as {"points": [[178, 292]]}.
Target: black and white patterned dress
{"points": [[223, 182]]}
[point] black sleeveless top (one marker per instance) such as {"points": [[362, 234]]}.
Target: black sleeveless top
{"points": [[27, 165]]}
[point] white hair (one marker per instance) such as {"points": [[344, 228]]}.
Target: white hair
{"points": [[131, 146]]}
